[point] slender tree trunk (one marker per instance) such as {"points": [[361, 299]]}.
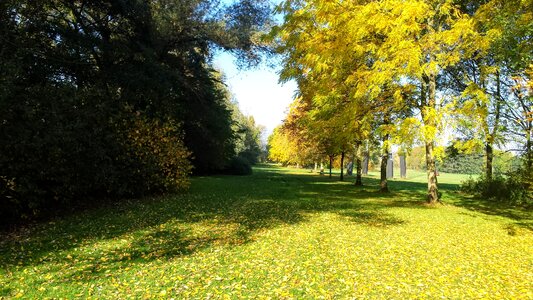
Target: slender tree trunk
{"points": [[315, 168], [357, 160], [342, 166], [358, 177], [432, 194], [529, 162], [529, 152], [403, 166], [330, 164], [366, 159], [384, 187], [384, 161], [489, 158]]}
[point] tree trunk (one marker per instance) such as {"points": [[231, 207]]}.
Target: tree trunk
{"points": [[330, 164], [529, 152], [315, 168], [357, 160], [429, 103], [366, 159], [433, 196], [492, 135], [489, 158], [403, 167], [384, 187], [358, 177], [342, 166], [384, 161], [390, 167]]}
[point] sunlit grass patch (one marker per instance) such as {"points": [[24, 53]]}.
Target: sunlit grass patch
{"points": [[281, 233]]}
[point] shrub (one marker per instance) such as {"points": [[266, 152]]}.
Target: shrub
{"points": [[158, 155], [59, 153], [513, 188], [238, 166]]}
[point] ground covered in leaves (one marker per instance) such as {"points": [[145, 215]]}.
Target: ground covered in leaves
{"points": [[280, 234]]}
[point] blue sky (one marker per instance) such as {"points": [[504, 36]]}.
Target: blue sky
{"points": [[257, 91]]}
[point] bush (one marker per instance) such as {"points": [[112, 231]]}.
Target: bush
{"points": [[238, 166], [158, 156], [512, 188], [59, 153]]}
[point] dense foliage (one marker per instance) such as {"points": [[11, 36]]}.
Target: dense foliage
{"points": [[514, 188], [248, 145], [410, 73], [114, 98]]}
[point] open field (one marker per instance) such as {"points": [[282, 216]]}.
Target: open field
{"points": [[280, 234]]}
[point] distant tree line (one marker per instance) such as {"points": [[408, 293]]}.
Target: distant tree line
{"points": [[111, 99]]}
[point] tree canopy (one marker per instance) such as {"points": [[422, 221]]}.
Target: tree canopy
{"points": [[117, 98], [417, 65]]}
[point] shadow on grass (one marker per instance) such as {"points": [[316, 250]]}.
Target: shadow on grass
{"points": [[407, 194], [522, 216], [222, 210]]}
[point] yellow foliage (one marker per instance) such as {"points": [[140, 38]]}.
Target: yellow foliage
{"points": [[161, 146]]}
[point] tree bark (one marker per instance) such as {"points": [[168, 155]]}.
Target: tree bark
{"points": [[403, 167], [330, 164], [489, 152], [432, 194], [342, 166], [529, 152], [357, 159], [390, 167], [383, 186], [366, 159]]}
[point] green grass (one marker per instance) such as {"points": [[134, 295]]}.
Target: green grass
{"points": [[281, 234]]}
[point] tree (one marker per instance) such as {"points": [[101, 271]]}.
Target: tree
{"points": [[79, 76], [387, 42], [248, 133], [334, 117]]}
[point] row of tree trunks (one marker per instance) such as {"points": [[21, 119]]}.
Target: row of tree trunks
{"points": [[387, 168]]}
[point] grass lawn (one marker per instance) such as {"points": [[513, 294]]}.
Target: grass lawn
{"points": [[281, 234]]}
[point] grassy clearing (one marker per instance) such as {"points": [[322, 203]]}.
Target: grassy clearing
{"points": [[281, 233]]}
